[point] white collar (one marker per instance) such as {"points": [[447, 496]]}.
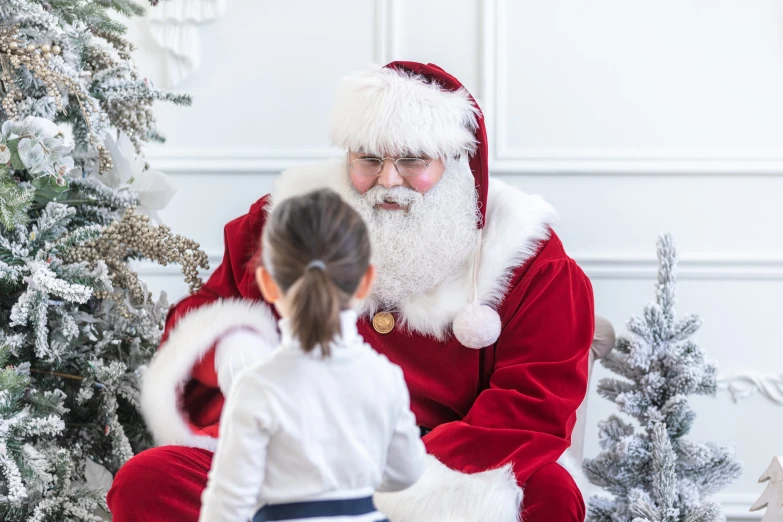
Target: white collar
{"points": [[349, 333]]}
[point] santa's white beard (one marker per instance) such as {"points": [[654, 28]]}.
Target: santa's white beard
{"points": [[415, 251]]}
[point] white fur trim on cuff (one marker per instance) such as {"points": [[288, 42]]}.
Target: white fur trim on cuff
{"points": [[393, 112], [190, 340], [445, 495]]}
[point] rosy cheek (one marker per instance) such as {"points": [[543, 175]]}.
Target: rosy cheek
{"points": [[362, 184], [423, 183]]}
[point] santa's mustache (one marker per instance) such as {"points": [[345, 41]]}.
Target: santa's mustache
{"points": [[399, 195]]}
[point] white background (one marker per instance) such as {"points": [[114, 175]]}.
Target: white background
{"points": [[632, 117]]}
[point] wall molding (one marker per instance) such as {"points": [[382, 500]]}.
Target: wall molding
{"points": [[233, 161], [747, 383], [175, 27], [386, 20], [264, 161], [575, 165], [492, 95], [591, 162], [713, 266], [736, 506], [487, 41], [709, 267]]}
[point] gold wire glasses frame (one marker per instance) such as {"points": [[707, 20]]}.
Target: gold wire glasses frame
{"points": [[407, 167]]}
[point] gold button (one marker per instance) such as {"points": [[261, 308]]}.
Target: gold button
{"points": [[383, 322]]}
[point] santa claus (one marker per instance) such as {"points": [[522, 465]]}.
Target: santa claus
{"points": [[476, 299]]}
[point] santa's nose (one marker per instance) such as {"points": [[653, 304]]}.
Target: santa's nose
{"points": [[389, 177]]}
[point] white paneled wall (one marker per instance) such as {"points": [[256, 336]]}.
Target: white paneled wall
{"points": [[632, 118]]}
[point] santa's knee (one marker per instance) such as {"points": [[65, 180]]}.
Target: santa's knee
{"points": [[155, 482], [551, 495], [130, 484]]}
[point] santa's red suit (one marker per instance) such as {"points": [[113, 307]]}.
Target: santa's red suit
{"points": [[500, 416]]}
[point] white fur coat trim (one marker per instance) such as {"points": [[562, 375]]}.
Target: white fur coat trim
{"points": [[446, 495], [189, 341], [516, 224], [393, 112]]}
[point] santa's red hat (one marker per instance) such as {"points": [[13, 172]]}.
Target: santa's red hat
{"points": [[411, 107]]}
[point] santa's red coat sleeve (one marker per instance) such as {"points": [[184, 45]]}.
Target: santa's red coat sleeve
{"points": [[525, 416], [181, 399]]}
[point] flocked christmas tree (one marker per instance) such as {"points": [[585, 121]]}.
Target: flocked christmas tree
{"points": [[652, 471], [76, 324]]}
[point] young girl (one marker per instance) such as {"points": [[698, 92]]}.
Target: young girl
{"points": [[314, 431]]}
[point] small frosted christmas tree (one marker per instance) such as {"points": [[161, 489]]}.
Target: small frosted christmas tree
{"points": [[654, 473], [772, 498]]}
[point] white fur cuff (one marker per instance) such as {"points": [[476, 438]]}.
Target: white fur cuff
{"points": [[445, 495], [190, 340]]}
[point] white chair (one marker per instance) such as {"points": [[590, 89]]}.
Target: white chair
{"points": [[603, 342]]}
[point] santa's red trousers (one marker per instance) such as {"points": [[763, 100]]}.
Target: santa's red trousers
{"points": [[165, 484]]}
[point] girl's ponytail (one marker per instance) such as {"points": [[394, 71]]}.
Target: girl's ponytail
{"points": [[315, 305]]}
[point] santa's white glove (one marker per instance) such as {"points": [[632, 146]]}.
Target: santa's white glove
{"points": [[236, 351]]}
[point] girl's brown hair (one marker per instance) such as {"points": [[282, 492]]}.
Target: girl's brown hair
{"points": [[317, 248]]}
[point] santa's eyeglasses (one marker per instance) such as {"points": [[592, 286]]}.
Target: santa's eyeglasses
{"points": [[407, 167]]}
